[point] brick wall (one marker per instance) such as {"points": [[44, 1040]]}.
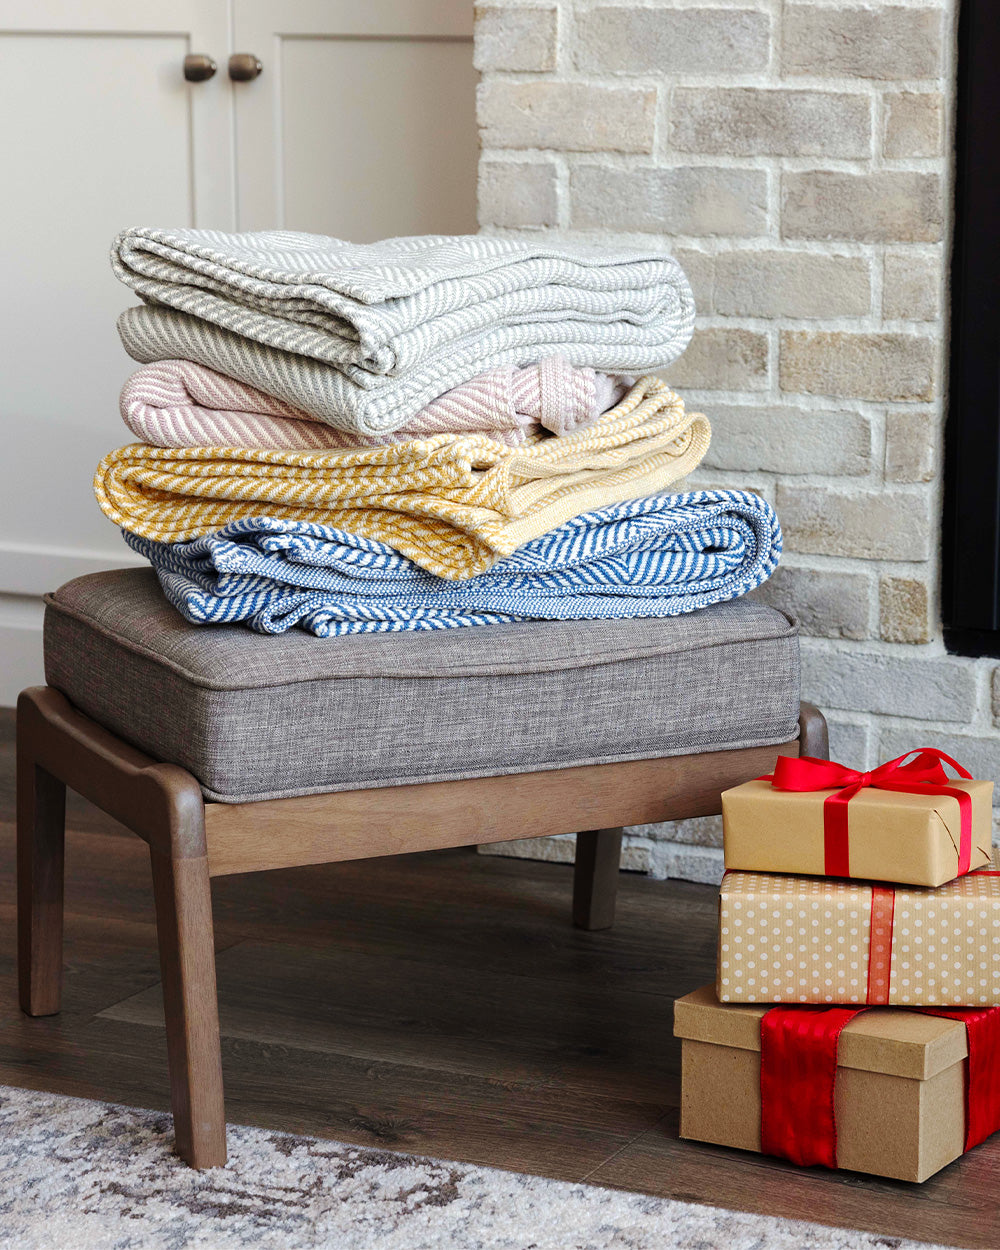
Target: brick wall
{"points": [[796, 158]]}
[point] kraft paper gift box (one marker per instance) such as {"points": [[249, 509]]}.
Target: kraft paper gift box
{"points": [[883, 834], [790, 939], [899, 1079]]}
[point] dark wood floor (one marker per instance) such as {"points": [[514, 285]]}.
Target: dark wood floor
{"points": [[440, 1004]]}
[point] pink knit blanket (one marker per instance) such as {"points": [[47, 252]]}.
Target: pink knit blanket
{"points": [[177, 403]]}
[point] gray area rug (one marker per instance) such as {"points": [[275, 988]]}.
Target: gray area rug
{"points": [[93, 1176]]}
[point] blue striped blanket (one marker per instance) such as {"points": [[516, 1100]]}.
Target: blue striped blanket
{"points": [[659, 556]]}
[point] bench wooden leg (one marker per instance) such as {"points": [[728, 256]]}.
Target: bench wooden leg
{"points": [[41, 823], [595, 877], [814, 738], [187, 968]]}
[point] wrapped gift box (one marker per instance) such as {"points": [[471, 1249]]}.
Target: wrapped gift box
{"points": [[891, 836], [786, 939], [899, 1105]]}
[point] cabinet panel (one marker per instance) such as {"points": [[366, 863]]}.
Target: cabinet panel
{"points": [[362, 123], [378, 137], [107, 134]]}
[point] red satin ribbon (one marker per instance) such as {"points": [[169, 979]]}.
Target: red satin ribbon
{"points": [[798, 1069], [982, 1071], [923, 775], [880, 945], [798, 1072], [880, 934]]}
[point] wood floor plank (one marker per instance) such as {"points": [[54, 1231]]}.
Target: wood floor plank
{"points": [[473, 1118], [105, 960], [957, 1207], [441, 1004], [589, 1039]]}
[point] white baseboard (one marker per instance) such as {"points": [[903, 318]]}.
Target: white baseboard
{"points": [[27, 570], [20, 646], [26, 573]]}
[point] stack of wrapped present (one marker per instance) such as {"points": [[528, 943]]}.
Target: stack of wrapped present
{"points": [[415, 434], [868, 906]]}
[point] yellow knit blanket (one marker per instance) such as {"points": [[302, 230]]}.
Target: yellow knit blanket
{"points": [[453, 503]]}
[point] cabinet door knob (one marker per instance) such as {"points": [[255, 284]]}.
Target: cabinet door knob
{"points": [[244, 67], [197, 67]]}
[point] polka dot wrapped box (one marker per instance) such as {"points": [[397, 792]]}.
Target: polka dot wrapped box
{"points": [[797, 939]]}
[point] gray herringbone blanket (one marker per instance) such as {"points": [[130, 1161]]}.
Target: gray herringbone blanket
{"points": [[365, 335]]}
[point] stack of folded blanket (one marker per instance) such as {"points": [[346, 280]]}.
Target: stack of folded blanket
{"points": [[415, 434]]}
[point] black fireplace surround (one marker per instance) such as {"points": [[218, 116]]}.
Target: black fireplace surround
{"points": [[971, 537]]}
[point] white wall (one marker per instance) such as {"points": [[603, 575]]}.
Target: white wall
{"points": [[101, 132]]}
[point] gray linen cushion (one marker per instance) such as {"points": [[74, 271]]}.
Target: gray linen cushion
{"points": [[256, 717]]}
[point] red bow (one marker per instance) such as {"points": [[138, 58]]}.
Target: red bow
{"points": [[798, 1070], [923, 775]]}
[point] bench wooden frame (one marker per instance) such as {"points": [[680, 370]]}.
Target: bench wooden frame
{"points": [[191, 841]]}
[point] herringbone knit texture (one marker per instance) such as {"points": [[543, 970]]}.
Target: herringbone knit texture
{"points": [[656, 557], [451, 503], [397, 323], [177, 403]]}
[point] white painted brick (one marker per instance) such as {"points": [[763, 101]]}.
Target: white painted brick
{"points": [[888, 206], [980, 755], [700, 270], [518, 194], [881, 211], [788, 439], [760, 283], [850, 742], [632, 40], [698, 831], [904, 609], [752, 121], [521, 38], [922, 689], [914, 125], [860, 366], [887, 525], [564, 116], [880, 41], [692, 200], [561, 849], [825, 603], [912, 286], [721, 359], [686, 863], [911, 446]]}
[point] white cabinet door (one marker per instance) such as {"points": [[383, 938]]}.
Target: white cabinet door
{"points": [[361, 125], [362, 122], [100, 131]]}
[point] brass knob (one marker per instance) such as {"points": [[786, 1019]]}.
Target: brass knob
{"points": [[244, 67], [197, 67]]}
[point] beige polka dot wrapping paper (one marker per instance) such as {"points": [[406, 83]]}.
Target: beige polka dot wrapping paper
{"points": [[797, 939]]}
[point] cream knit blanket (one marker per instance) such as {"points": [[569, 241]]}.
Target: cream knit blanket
{"points": [[451, 503], [177, 403]]}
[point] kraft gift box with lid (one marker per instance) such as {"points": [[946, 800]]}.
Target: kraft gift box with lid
{"points": [[898, 1093]]}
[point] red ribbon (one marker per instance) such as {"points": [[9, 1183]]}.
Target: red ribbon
{"points": [[883, 910], [923, 775], [880, 937], [798, 1072]]}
